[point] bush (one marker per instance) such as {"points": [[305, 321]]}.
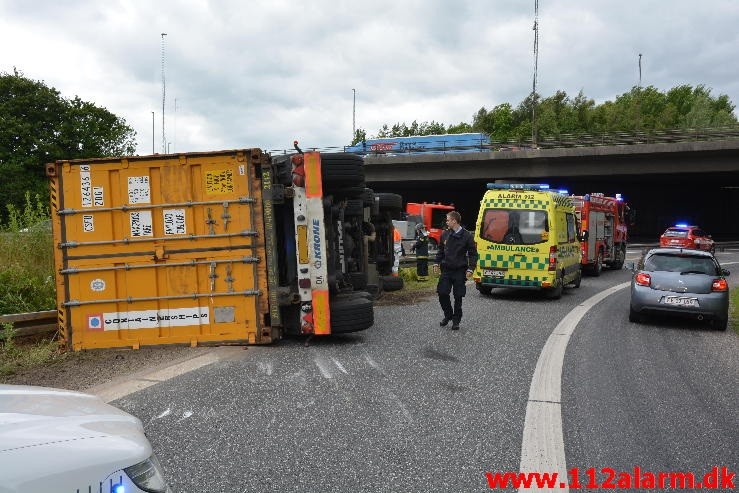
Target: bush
{"points": [[27, 260]]}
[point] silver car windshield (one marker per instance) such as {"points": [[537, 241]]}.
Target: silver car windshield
{"points": [[687, 264]]}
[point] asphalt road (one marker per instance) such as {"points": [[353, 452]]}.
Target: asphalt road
{"points": [[662, 395], [409, 406]]}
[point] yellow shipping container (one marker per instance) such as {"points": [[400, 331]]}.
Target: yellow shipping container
{"points": [[160, 249], [219, 247]]}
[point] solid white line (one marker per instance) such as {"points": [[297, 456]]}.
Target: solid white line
{"points": [[542, 446]]}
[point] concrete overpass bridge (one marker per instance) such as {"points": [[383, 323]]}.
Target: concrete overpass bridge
{"points": [[695, 182]]}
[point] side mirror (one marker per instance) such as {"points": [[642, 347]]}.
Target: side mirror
{"points": [[725, 272], [583, 236]]}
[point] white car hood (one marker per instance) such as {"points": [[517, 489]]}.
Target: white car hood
{"points": [[70, 438]]}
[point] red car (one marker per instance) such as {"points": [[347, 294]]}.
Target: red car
{"points": [[684, 236]]}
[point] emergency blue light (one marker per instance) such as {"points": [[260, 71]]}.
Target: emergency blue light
{"points": [[118, 488], [681, 225], [563, 192], [517, 186], [619, 197]]}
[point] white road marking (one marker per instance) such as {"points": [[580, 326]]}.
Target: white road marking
{"points": [[265, 367], [542, 447], [339, 365], [164, 413], [325, 370], [185, 415], [728, 263]]}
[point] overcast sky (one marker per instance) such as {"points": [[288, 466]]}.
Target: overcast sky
{"points": [[253, 73]]}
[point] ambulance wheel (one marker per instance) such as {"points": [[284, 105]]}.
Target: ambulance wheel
{"points": [[351, 314], [341, 169], [486, 290], [555, 293], [578, 279], [392, 283]]}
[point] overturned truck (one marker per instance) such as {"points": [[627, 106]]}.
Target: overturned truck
{"points": [[219, 247]]}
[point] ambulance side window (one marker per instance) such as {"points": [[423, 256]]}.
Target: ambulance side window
{"points": [[571, 228]]}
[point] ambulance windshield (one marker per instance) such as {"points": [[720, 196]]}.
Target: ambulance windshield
{"points": [[514, 226]]}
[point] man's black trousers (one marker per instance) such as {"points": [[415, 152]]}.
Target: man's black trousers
{"points": [[452, 282]]}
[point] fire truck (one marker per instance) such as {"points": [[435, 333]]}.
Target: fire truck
{"points": [[432, 215], [603, 230]]}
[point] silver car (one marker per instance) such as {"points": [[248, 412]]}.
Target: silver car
{"points": [[684, 282], [69, 442]]}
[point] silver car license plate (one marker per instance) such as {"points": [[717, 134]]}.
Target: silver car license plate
{"points": [[680, 301], [498, 274]]}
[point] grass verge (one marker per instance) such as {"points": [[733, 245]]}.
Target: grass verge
{"points": [[18, 355]]}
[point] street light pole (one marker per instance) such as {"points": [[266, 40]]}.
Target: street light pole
{"points": [[152, 133], [354, 115], [639, 70]]}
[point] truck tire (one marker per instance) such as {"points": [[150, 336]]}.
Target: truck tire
{"points": [[368, 197], [358, 280], [341, 170], [351, 314], [354, 207], [390, 201], [392, 283], [597, 267], [618, 263]]}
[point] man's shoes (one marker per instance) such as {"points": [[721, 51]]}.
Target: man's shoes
{"points": [[455, 326], [444, 322]]}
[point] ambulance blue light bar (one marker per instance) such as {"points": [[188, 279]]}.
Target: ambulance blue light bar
{"points": [[681, 225], [518, 186], [563, 192]]}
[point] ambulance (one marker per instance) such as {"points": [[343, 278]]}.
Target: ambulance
{"points": [[526, 238]]}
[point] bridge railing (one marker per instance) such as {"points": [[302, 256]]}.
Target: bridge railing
{"points": [[443, 146]]}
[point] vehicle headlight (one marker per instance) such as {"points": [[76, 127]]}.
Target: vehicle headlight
{"points": [[148, 476]]}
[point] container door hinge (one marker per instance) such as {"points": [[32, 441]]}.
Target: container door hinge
{"points": [[211, 222], [225, 216], [212, 276]]}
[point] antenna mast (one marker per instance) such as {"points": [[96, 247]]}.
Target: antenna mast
{"points": [[536, 70], [164, 99]]}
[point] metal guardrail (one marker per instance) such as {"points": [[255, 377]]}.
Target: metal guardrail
{"points": [[664, 136], [28, 324]]}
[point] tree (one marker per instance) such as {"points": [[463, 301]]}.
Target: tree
{"points": [[38, 126], [360, 135]]}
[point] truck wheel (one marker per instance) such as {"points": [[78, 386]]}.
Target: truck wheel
{"points": [[354, 207], [358, 280], [390, 201], [340, 170], [618, 264], [368, 197], [392, 283], [351, 314], [597, 267]]}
